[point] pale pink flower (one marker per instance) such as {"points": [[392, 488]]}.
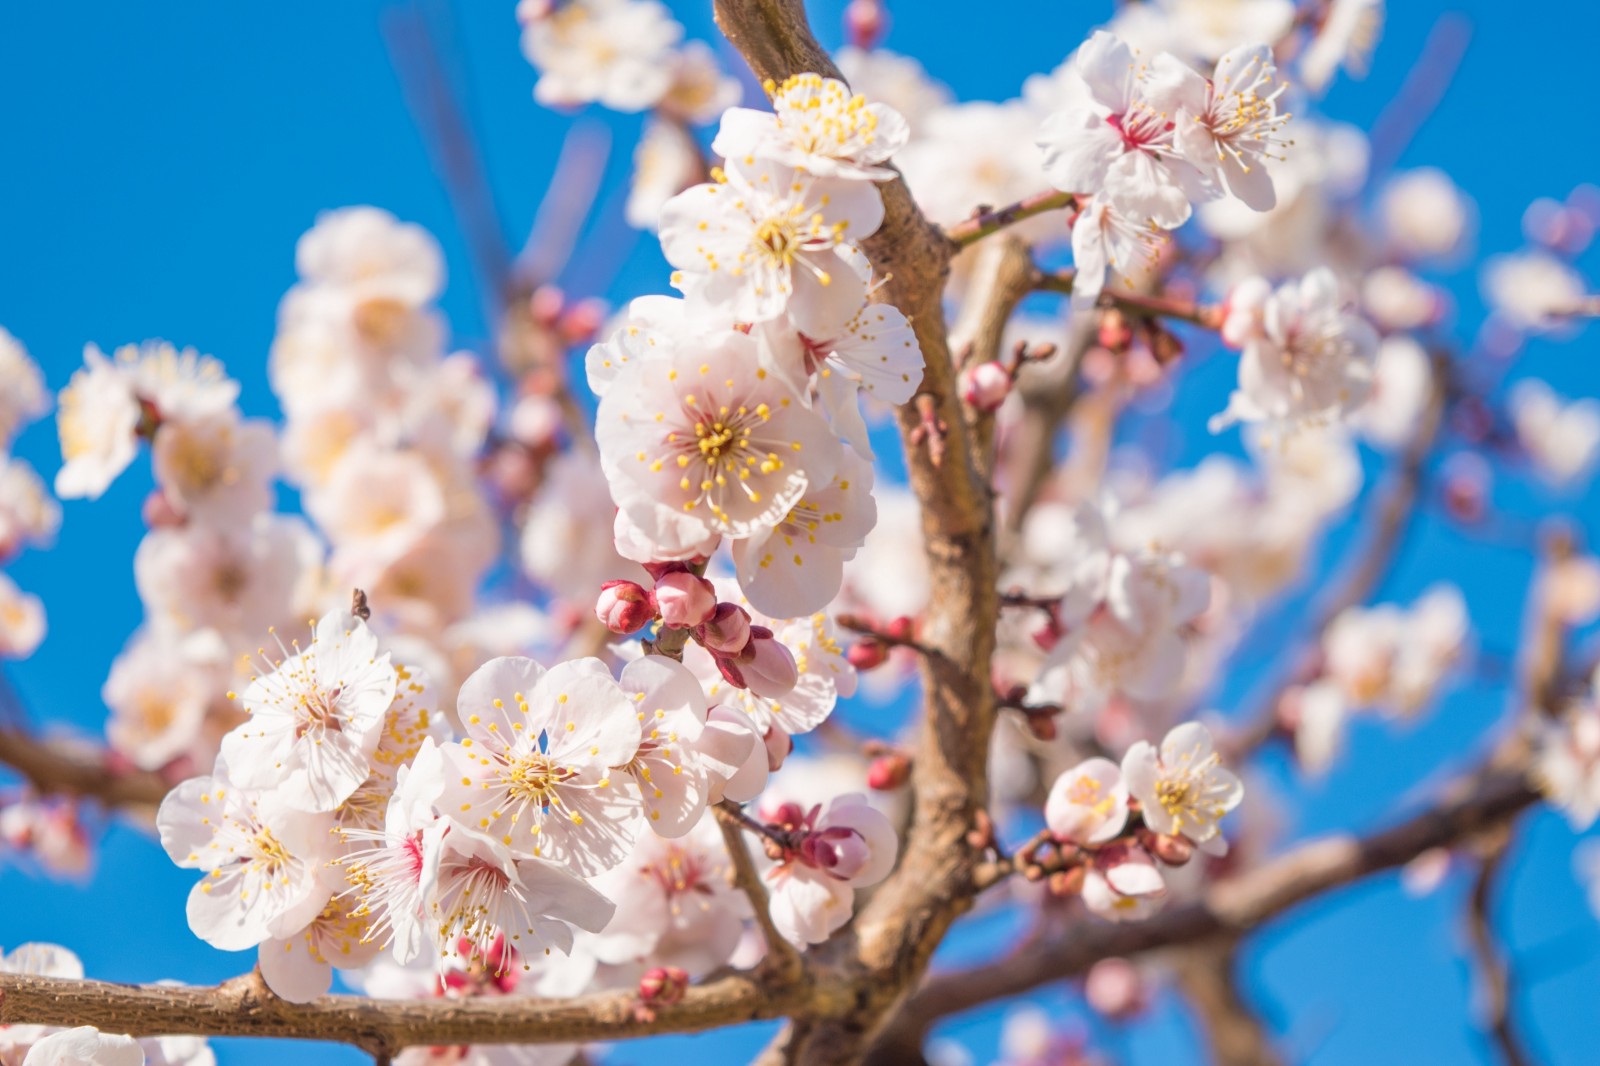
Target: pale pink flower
{"points": [[1182, 788], [667, 768], [379, 503], [158, 698], [617, 53], [368, 254], [817, 126], [299, 966], [97, 422], [1088, 804], [534, 774], [216, 470], [85, 1046], [835, 849]]}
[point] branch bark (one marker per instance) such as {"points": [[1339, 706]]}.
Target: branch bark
{"points": [[54, 768]]}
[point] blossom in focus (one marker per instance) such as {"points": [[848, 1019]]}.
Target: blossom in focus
{"points": [[818, 126], [836, 848], [85, 1046], [1181, 787], [1088, 804]]}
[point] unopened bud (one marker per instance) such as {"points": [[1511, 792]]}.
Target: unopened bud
{"points": [[1066, 883], [1043, 727], [581, 321], [867, 654], [1115, 988], [1115, 332], [863, 23], [888, 772], [768, 667], [685, 600], [1172, 850], [624, 606], [985, 386], [663, 986], [727, 631], [839, 852], [901, 628], [1165, 346], [546, 305], [1466, 487], [779, 745], [787, 816]]}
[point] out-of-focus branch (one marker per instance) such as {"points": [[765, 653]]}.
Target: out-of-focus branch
{"points": [[1138, 304], [989, 221], [1206, 975], [1493, 969], [1227, 909], [782, 961], [1003, 275], [1423, 90], [1389, 518], [245, 1007], [60, 769]]}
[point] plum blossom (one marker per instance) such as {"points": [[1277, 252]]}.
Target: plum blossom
{"points": [[534, 774], [22, 623], [374, 260], [315, 718], [28, 513], [966, 155], [767, 238], [702, 442], [1107, 241], [299, 967], [666, 161], [217, 469], [1308, 361], [1227, 125], [85, 1046], [159, 699], [265, 862], [796, 567], [1182, 787], [667, 769], [1566, 763], [1119, 137], [817, 125], [1393, 657], [97, 420], [1122, 883], [1348, 33], [831, 851], [1088, 804], [1531, 291], [1561, 437], [25, 397], [616, 53]]}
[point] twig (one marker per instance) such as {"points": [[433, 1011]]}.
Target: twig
{"points": [[1237, 1037], [1136, 303], [1494, 971], [782, 961], [58, 769], [985, 222]]}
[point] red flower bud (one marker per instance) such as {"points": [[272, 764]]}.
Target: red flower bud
{"points": [[888, 772], [663, 986], [624, 606]]}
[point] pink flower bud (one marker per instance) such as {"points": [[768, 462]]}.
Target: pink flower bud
{"points": [[863, 22], [838, 852], [535, 420], [1115, 333], [867, 654], [1043, 727], [1172, 850], [1115, 989], [684, 599], [546, 304], [901, 628], [159, 513], [888, 772], [582, 321], [788, 816], [727, 631], [624, 606], [663, 986], [767, 666], [985, 386]]}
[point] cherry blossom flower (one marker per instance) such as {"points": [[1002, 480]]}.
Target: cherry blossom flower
{"points": [[22, 624], [1088, 804], [85, 1046], [833, 850], [675, 904], [178, 385], [767, 238], [315, 718], [97, 421], [1562, 438], [1402, 384], [410, 722], [666, 768], [702, 443], [1208, 29], [299, 967], [265, 862], [1228, 124], [1107, 240], [818, 126], [966, 154], [377, 261], [534, 772], [1531, 291], [217, 469], [1396, 658], [1182, 788], [1566, 764], [613, 52], [25, 397], [159, 698], [1348, 33], [28, 513], [1310, 362], [1123, 884], [478, 893], [797, 566], [1119, 137]]}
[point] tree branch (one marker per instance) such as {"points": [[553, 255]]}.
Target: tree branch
{"points": [[1229, 908], [54, 768], [1494, 970], [985, 222], [782, 961], [1205, 972]]}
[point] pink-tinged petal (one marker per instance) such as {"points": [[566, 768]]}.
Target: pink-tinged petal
{"points": [[1171, 86], [488, 698], [733, 755], [1108, 67], [807, 906], [853, 812], [1135, 874], [292, 971], [590, 719], [563, 896]]}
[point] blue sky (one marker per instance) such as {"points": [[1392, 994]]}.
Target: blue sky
{"points": [[162, 160]]}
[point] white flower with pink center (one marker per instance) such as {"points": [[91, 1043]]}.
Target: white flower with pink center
{"points": [[817, 126], [768, 239], [265, 862], [299, 967], [316, 718], [1123, 883], [1182, 788], [707, 442], [539, 771], [826, 853], [667, 769], [1088, 804]]}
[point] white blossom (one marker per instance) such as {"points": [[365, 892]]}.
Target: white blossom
{"points": [[1182, 787], [613, 52], [818, 126]]}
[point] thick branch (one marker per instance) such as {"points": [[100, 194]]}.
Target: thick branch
{"points": [[1205, 972], [1229, 908], [244, 1007], [58, 769]]}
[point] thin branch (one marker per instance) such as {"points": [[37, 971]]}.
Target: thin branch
{"points": [[1494, 970], [1136, 303], [987, 222], [1237, 1037], [782, 961], [1228, 908]]}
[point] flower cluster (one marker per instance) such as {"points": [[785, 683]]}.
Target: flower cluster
{"points": [[29, 516]]}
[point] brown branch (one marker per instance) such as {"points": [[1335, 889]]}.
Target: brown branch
{"points": [[783, 961], [1494, 971], [55, 768], [985, 222], [1138, 304], [1227, 909], [245, 1007]]}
